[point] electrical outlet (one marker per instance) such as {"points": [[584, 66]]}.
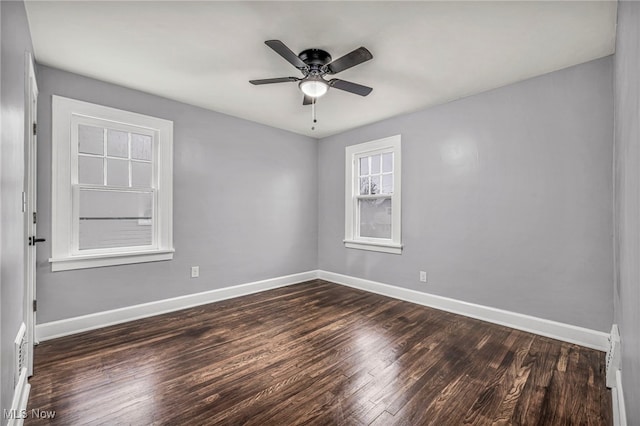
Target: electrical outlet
{"points": [[195, 271], [423, 276]]}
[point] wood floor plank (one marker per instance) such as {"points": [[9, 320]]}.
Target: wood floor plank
{"points": [[502, 380], [316, 353]]}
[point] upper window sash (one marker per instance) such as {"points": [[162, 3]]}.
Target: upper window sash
{"points": [[372, 179], [78, 120]]}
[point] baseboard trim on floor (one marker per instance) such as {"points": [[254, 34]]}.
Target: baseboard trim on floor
{"points": [[569, 333], [66, 327], [556, 330], [617, 402], [18, 411]]}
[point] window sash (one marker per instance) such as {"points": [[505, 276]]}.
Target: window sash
{"points": [[75, 241], [358, 218], [369, 176], [106, 125], [356, 196]]}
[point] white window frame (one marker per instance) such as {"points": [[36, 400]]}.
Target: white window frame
{"points": [[66, 115], [352, 238]]}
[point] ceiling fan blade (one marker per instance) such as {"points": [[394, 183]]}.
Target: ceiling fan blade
{"points": [[282, 50], [350, 87], [273, 80], [358, 56]]}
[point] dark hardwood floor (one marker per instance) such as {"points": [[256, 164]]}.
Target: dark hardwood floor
{"points": [[317, 353]]}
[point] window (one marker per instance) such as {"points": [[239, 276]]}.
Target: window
{"points": [[112, 186], [372, 191]]}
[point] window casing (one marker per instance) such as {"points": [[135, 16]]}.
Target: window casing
{"points": [[111, 186], [373, 196]]}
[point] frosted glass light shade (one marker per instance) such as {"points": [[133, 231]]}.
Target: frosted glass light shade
{"points": [[314, 88]]}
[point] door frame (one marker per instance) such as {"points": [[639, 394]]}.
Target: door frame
{"points": [[29, 207]]}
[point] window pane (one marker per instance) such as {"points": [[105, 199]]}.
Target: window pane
{"points": [[90, 170], [364, 186], [375, 164], [375, 218], [364, 166], [387, 184], [375, 185], [115, 219], [90, 139], [117, 143], [141, 174], [140, 147], [387, 162], [117, 172]]}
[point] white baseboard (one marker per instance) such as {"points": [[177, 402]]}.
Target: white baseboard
{"points": [[65, 327], [18, 411], [617, 400], [556, 330]]}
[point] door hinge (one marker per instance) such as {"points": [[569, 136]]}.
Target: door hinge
{"points": [[34, 217], [35, 129], [35, 305]]}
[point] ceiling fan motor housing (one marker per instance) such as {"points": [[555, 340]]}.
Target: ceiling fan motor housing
{"points": [[315, 58]]}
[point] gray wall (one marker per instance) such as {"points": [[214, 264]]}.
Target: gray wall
{"points": [[627, 200], [506, 198], [245, 207], [16, 40]]}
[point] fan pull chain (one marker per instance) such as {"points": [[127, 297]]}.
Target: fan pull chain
{"points": [[313, 113]]}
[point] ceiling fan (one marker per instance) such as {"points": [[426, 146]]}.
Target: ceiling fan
{"points": [[314, 65]]}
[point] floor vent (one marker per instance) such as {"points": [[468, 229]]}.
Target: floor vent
{"points": [[613, 356], [20, 347]]}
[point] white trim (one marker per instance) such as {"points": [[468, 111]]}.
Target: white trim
{"points": [[367, 245], [20, 398], [612, 360], [54, 329], [97, 260], [617, 402], [351, 184], [29, 206], [556, 330]]}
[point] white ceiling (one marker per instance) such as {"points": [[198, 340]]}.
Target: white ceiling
{"points": [[425, 53]]}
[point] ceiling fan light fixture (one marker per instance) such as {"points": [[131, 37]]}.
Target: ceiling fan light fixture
{"points": [[314, 64], [314, 87]]}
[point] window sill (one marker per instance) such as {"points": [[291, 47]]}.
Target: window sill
{"points": [[99, 260], [371, 246]]}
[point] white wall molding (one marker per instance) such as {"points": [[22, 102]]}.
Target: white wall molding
{"points": [[18, 411], [553, 329], [617, 400], [569, 333], [612, 361], [65, 327]]}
